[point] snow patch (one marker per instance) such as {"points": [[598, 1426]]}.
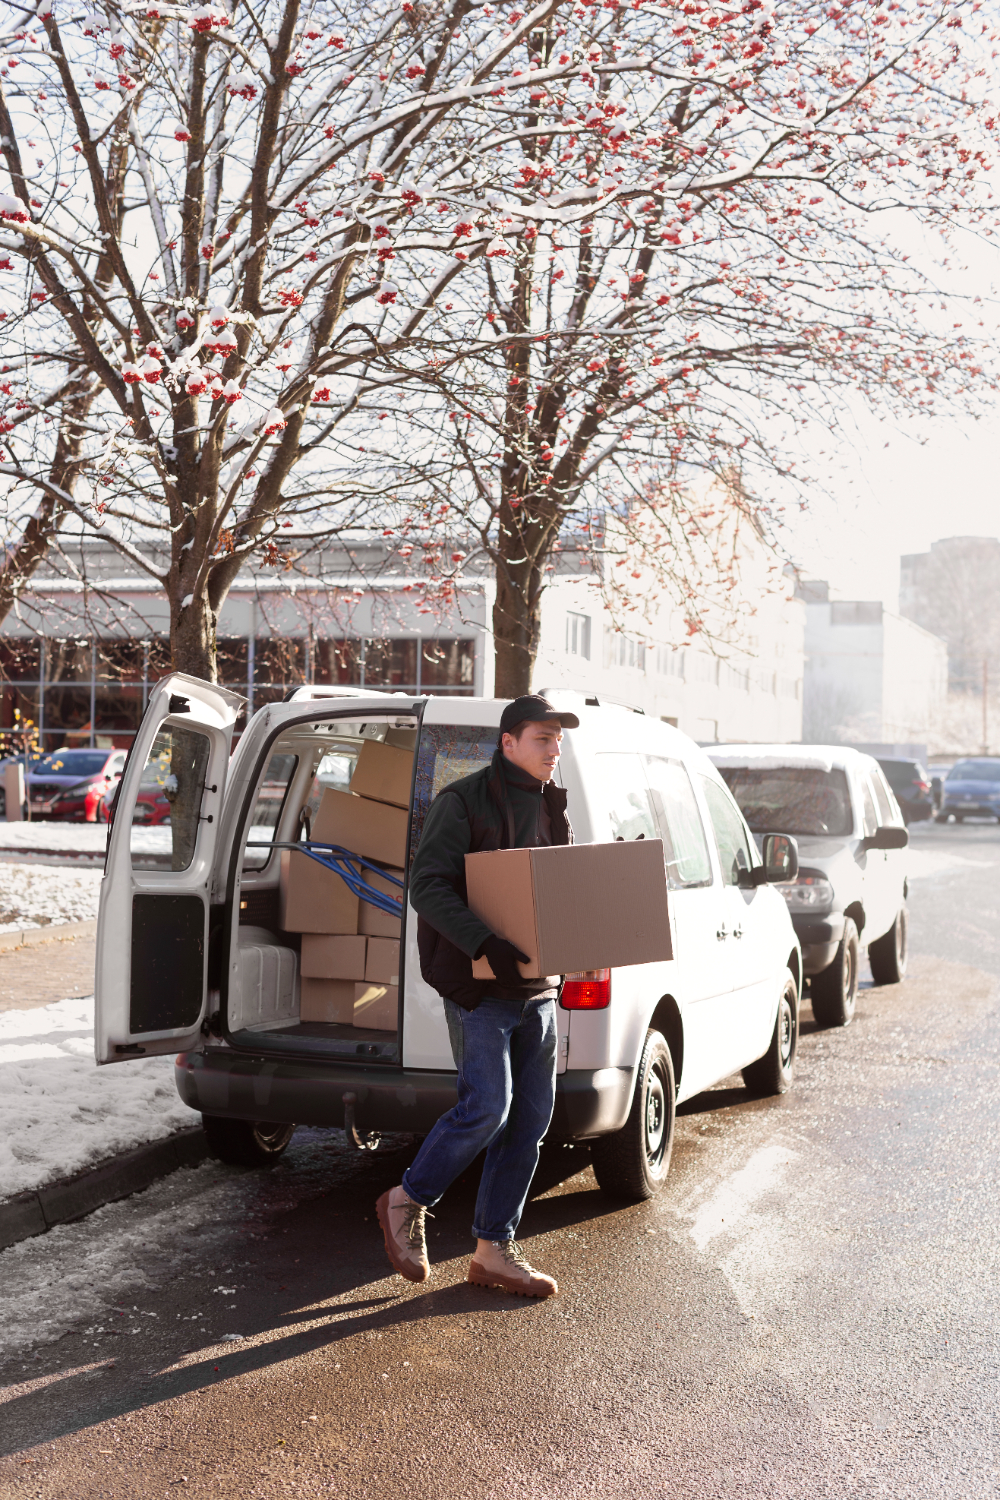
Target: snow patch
{"points": [[35, 895]]}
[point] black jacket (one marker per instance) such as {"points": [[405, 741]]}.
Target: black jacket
{"points": [[481, 811]]}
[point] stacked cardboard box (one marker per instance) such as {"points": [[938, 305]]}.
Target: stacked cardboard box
{"points": [[350, 949]]}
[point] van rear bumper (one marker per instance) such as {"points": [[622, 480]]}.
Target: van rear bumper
{"points": [[217, 1081]]}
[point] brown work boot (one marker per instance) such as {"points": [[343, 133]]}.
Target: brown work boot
{"points": [[503, 1263], [402, 1223]]}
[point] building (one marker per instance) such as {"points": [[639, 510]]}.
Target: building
{"points": [[88, 642], [871, 676], [954, 591]]}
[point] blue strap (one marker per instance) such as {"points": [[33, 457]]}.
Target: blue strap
{"points": [[342, 862]]}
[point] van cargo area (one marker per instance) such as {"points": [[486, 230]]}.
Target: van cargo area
{"points": [[314, 965]]}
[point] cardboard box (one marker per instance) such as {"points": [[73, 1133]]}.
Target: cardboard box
{"points": [[330, 1000], [371, 920], [334, 957], [575, 906], [376, 1006], [383, 772], [382, 966], [313, 898], [375, 830]]}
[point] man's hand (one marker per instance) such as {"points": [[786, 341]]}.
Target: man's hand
{"points": [[503, 957]]}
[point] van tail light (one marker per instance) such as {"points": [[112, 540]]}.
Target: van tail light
{"points": [[589, 990]]}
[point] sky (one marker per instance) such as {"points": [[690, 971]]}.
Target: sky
{"points": [[893, 488]]}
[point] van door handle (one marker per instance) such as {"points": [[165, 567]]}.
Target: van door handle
{"points": [[721, 933]]}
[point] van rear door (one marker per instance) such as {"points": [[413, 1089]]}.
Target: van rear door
{"points": [[152, 928]]}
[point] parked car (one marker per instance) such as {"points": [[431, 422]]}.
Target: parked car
{"points": [[971, 790], [851, 885], [152, 805], [911, 786], [69, 784], [937, 773], [196, 956]]}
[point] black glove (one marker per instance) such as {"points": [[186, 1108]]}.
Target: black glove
{"points": [[503, 957]]}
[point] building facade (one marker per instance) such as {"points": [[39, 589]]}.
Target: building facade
{"points": [[954, 591], [871, 676]]}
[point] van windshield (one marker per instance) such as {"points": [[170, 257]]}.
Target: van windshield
{"points": [[792, 800], [447, 752]]}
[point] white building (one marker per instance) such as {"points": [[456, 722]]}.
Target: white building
{"points": [[78, 658], [870, 676]]}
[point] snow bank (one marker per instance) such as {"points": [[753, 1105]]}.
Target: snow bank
{"points": [[36, 895], [79, 838], [59, 1113]]}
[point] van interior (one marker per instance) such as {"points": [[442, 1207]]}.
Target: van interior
{"points": [[314, 964]]}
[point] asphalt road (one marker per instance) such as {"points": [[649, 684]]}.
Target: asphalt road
{"points": [[809, 1309]]}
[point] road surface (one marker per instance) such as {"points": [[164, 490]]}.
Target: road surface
{"points": [[809, 1309]]}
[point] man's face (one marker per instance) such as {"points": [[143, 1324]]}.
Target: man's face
{"points": [[536, 751]]}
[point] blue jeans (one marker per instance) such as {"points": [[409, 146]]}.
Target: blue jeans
{"points": [[505, 1052]]}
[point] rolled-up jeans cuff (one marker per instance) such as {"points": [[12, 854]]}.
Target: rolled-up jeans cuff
{"points": [[415, 1197]]}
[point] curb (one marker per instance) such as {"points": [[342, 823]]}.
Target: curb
{"points": [[62, 1202], [56, 932]]}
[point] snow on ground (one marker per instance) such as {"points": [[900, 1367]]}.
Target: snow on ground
{"points": [[36, 895], [59, 1113], [79, 838]]}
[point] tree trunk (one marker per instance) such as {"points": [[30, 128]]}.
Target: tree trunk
{"points": [[516, 624], [192, 638]]}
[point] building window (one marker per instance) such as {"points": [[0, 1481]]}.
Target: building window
{"points": [[578, 635], [706, 667], [623, 651], [670, 662], [737, 677], [788, 687]]}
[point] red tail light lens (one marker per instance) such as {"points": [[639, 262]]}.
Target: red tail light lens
{"points": [[589, 990]]}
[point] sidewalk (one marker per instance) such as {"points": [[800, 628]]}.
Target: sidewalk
{"points": [[60, 1115]]}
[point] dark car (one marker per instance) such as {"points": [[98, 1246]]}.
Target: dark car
{"points": [[972, 790], [912, 788], [68, 784]]}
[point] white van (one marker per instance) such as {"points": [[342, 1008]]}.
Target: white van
{"points": [[207, 924]]}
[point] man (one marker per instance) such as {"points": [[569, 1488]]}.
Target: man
{"points": [[503, 1031]]}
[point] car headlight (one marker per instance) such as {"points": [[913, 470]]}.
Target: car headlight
{"points": [[73, 793], [808, 893]]}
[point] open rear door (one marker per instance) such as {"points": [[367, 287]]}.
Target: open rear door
{"points": [[152, 930]]}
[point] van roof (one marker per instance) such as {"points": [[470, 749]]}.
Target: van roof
{"points": [[787, 757]]}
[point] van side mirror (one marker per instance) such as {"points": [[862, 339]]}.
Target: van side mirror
{"points": [[781, 858], [888, 837]]}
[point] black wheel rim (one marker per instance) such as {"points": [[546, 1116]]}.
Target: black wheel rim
{"points": [[656, 1118], [850, 969]]}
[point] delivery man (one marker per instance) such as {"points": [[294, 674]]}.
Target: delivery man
{"points": [[502, 1030]]}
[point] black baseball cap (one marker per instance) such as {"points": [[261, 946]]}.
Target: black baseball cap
{"points": [[533, 708]]}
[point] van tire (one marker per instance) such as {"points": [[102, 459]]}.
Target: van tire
{"points": [[246, 1143], [888, 954], [633, 1162], [834, 991], [772, 1073]]}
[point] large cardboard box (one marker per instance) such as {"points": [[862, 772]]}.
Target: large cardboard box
{"points": [[382, 966], [376, 1006], [573, 907], [375, 830], [330, 1000], [313, 898], [383, 772], [332, 957], [371, 920]]}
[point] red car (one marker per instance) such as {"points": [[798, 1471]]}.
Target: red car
{"points": [[70, 784]]}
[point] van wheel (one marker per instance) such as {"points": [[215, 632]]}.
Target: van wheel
{"points": [[834, 990], [772, 1073], [888, 954], [246, 1143], [632, 1162]]}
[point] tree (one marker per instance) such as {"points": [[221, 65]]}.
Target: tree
{"points": [[199, 200], [677, 254]]}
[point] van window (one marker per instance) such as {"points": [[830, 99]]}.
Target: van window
{"points": [[271, 796], [171, 788], [730, 832], [685, 848], [445, 753], [871, 819], [623, 790], [886, 802], [335, 770]]}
